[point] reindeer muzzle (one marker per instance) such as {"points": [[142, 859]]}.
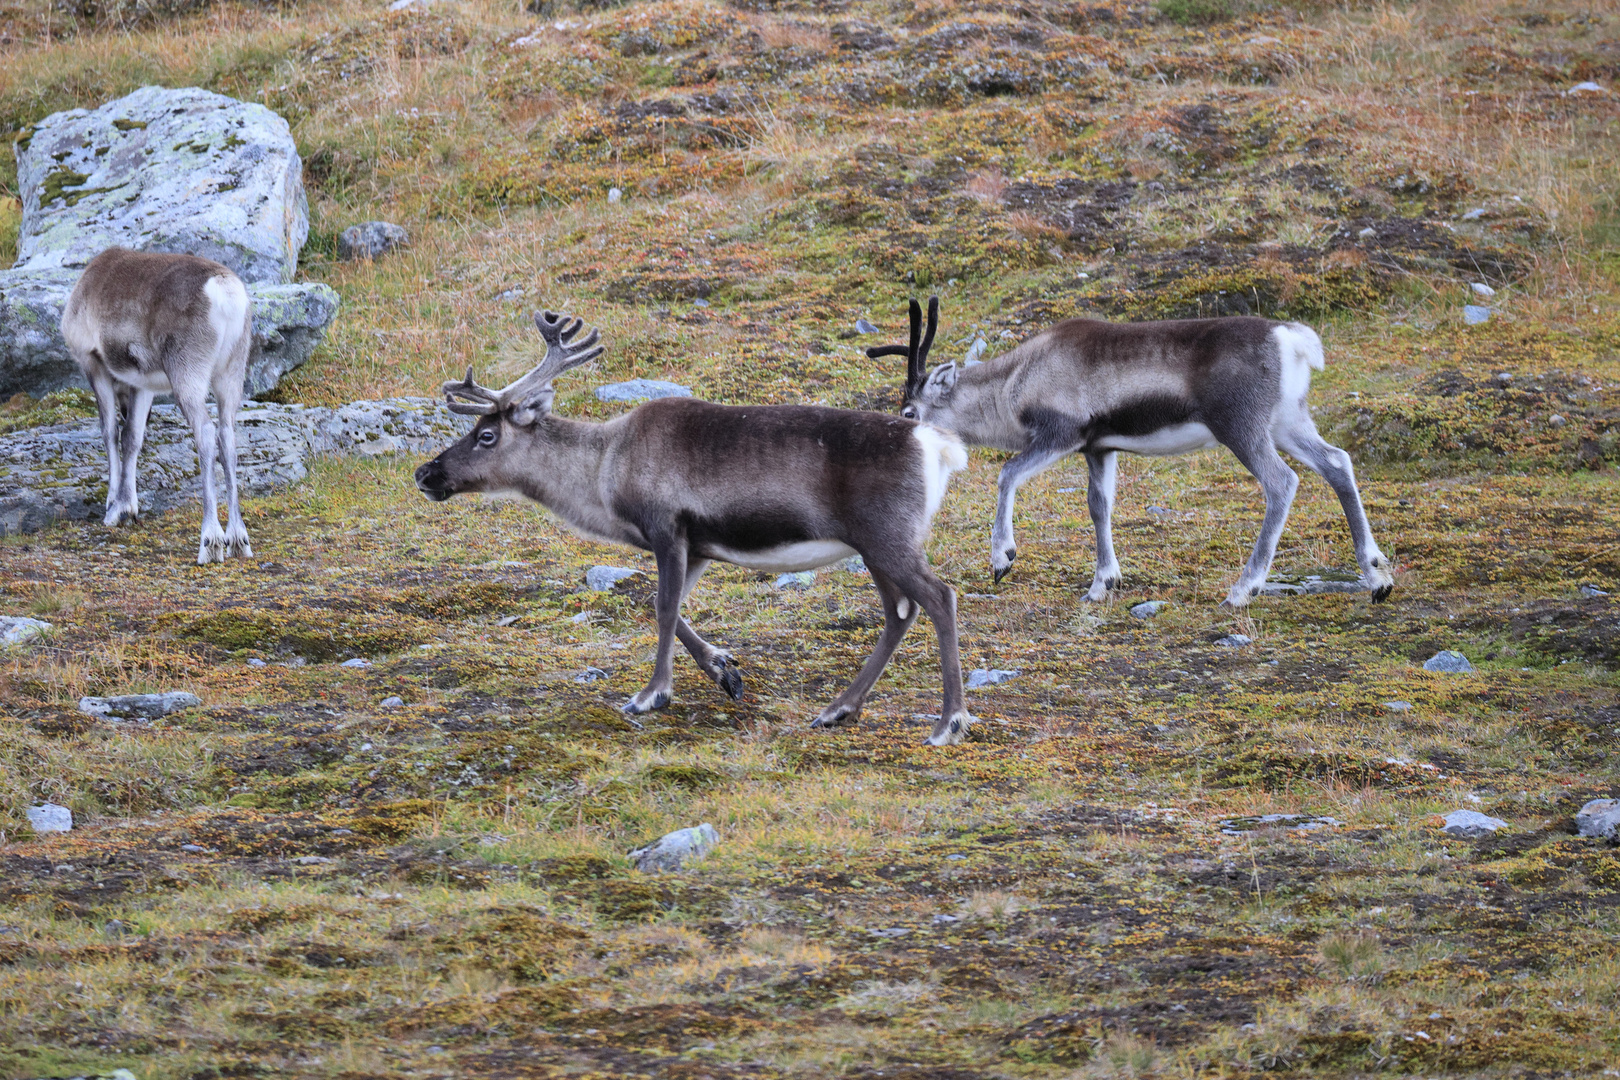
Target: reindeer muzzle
{"points": [[433, 481]]}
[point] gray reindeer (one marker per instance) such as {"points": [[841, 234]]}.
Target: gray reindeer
{"points": [[776, 488], [1095, 388], [144, 323]]}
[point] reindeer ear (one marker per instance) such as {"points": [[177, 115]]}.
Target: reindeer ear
{"points": [[532, 407], [941, 379]]}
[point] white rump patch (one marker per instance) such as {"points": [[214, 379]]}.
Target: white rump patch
{"points": [[1301, 353], [227, 314], [1175, 439], [942, 455], [785, 558]]}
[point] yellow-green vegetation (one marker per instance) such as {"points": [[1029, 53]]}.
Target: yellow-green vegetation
{"points": [[296, 880]]}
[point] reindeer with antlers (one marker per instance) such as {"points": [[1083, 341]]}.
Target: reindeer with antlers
{"points": [[776, 488], [1095, 388]]}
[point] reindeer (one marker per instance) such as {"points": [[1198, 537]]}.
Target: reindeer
{"points": [[1096, 388], [143, 323], [776, 488]]}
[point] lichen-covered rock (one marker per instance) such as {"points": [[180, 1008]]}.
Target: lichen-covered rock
{"points": [[164, 170], [139, 706], [370, 239], [674, 850], [640, 390], [1599, 818], [60, 472], [1471, 824], [18, 629]]}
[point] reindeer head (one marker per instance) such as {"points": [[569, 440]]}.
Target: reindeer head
{"points": [[472, 462], [927, 392]]}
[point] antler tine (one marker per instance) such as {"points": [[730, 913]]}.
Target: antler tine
{"points": [[481, 400], [928, 337], [914, 372], [561, 354]]}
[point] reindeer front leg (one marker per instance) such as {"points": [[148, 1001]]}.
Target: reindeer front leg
{"points": [[718, 664], [1019, 468], [671, 556]]}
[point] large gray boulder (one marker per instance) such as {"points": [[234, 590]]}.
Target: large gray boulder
{"points": [[59, 472], [159, 170], [164, 170]]}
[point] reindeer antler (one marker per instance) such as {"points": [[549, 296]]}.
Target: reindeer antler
{"points": [[916, 353], [481, 400]]}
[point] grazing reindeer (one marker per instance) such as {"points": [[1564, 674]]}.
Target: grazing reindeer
{"points": [[142, 323], [1096, 388], [777, 488]]}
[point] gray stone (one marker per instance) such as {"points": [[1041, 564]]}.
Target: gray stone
{"points": [[1475, 214], [854, 565], [1481, 289], [975, 351], [289, 321], [615, 195], [1474, 314], [391, 702], [800, 579], [163, 170], [1147, 609], [1587, 88], [1303, 822], [1556, 421], [370, 239], [60, 471], [139, 706], [640, 390], [1599, 818], [1281, 588], [990, 677], [590, 675], [48, 817], [356, 662], [603, 578], [311, 860], [194, 849], [17, 629], [1471, 824], [1398, 706], [864, 327], [1449, 661], [1592, 591], [674, 850], [1367, 233], [1235, 641]]}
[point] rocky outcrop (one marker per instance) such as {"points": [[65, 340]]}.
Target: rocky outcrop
{"points": [[159, 170], [59, 472]]}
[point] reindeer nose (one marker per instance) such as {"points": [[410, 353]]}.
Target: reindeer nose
{"points": [[432, 481]]}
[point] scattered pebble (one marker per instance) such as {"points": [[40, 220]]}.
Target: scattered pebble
{"points": [[49, 817], [1599, 818], [1471, 824], [254, 661], [393, 702], [1235, 641], [1555, 420], [700, 302], [139, 706], [1307, 822], [641, 390], [1265, 39], [854, 565], [514, 293], [507, 620], [673, 850], [1398, 706], [603, 578], [1449, 661], [582, 617], [1587, 88], [803, 579], [615, 195], [370, 239], [1590, 591], [945, 920], [114, 928], [16, 629], [1504, 377], [956, 858], [1367, 234], [980, 677], [1473, 314], [311, 860], [194, 849], [1482, 289], [356, 662], [1475, 214], [590, 675], [1147, 609], [864, 327], [975, 351]]}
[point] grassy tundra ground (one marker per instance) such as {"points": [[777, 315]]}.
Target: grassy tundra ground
{"points": [[293, 880]]}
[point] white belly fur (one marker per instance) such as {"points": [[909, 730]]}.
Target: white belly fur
{"points": [[1178, 439], [786, 558]]}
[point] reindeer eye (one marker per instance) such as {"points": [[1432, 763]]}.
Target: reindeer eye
{"points": [[488, 437], [909, 412]]}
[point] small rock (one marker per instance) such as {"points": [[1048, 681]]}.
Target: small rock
{"points": [[975, 351], [507, 620], [254, 661], [1147, 609], [864, 327], [356, 662], [700, 302], [1590, 591], [49, 817], [956, 858], [1235, 641], [311, 860], [1482, 289], [945, 920], [391, 702], [1398, 706], [1587, 88], [1471, 824], [603, 578], [1450, 661], [16, 629], [1555, 420], [1504, 377], [673, 850], [641, 390], [370, 240], [1599, 818], [888, 931], [854, 565], [1159, 511], [114, 928], [615, 195], [1473, 314], [582, 618], [590, 675], [1367, 234], [1264, 39], [515, 293], [1475, 214], [1303, 822], [979, 677], [1281, 588], [139, 706], [803, 579], [194, 849]]}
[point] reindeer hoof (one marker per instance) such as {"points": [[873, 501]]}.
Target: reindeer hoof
{"points": [[950, 732], [645, 702], [731, 682], [835, 715]]}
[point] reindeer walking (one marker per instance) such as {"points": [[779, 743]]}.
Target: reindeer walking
{"points": [[144, 323], [1096, 388], [777, 488]]}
